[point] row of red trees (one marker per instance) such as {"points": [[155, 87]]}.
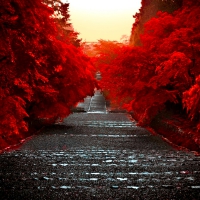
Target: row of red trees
{"points": [[165, 70], [42, 71]]}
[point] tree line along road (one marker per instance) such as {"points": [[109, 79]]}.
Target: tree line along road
{"points": [[98, 155]]}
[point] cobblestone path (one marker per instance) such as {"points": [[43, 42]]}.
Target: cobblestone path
{"points": [[98, 155]]}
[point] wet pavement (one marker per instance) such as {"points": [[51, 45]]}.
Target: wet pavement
{"points": [[98, 155]]}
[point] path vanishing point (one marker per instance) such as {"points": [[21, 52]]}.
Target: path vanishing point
{"points": [[98, 155]]}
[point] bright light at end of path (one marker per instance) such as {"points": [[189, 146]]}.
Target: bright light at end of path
{"points": [[103, 19]]}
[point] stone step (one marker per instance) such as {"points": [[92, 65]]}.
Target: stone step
{"points": [[94, 171], [98, 155]]}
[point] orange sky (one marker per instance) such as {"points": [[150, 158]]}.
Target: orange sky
{"points": [[103, 19]]}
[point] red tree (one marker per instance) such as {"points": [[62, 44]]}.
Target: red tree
{"points": [[41, 75], [164, 69]]}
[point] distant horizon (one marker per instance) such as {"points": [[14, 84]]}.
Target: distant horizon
{"points": [[94, 21]]}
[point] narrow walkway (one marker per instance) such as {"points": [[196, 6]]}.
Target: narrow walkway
{"points": [[98, 155], [97, 103]]}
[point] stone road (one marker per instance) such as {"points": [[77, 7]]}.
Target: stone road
{"points": [[98, 155]]}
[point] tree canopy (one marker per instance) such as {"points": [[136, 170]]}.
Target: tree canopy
{"points": [[163, 71], [42, 73]]}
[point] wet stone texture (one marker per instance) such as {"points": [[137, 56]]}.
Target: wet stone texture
{"points": [[98, 155]]}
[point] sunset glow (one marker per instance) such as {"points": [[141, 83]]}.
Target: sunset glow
{"points": [[105, 19]]}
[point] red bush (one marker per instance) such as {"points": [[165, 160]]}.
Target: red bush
{"points": [[42, 75], [164, 69]]}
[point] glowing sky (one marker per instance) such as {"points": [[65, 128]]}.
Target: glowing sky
{"points": [[103, 19]]}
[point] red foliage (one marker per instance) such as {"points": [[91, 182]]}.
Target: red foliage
{"points": [[41, 75], [191, 100], [164, 69]]}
